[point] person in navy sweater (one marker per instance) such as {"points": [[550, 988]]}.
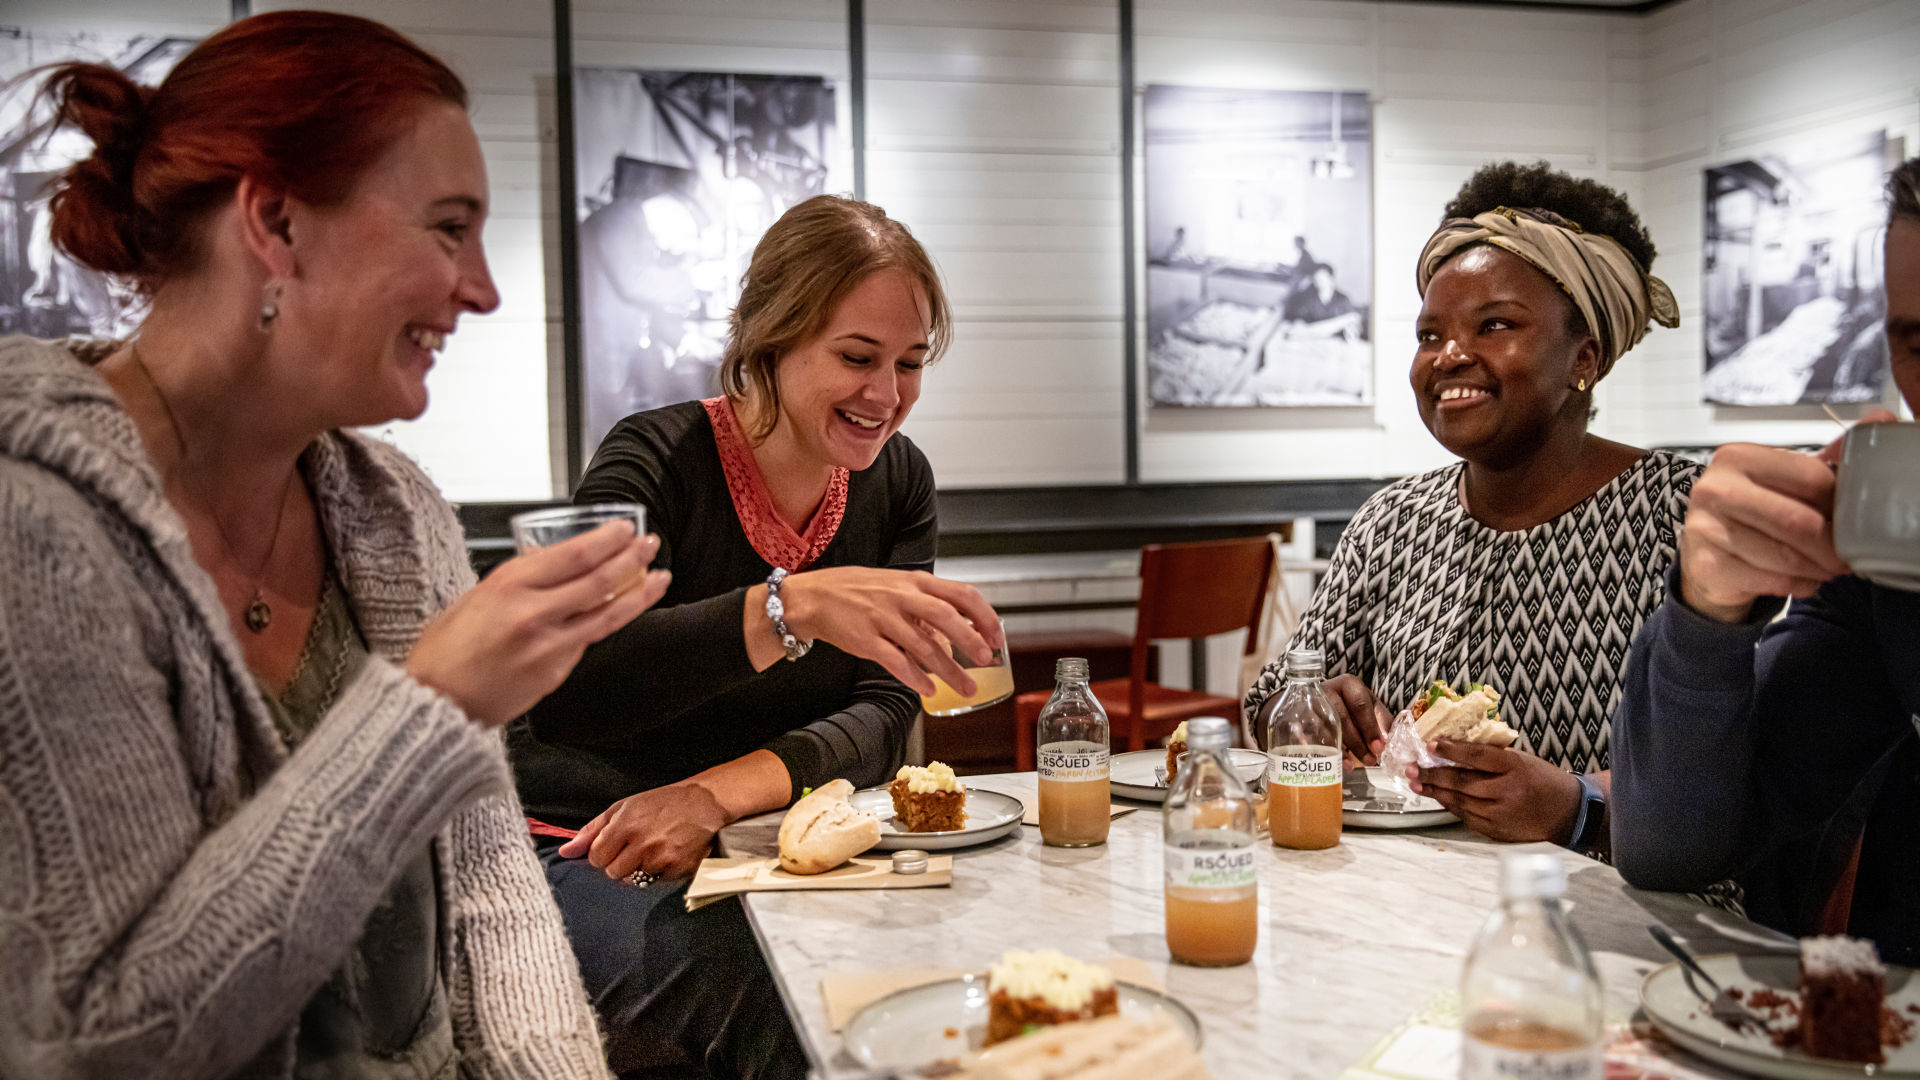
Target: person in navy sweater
{"points": [[1784, 751]]}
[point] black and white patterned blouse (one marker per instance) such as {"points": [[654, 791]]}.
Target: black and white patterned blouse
{"points": [[1418, 590]]}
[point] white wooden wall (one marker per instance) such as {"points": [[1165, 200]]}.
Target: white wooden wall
{"points": [[993, 131], [1716, 81]]}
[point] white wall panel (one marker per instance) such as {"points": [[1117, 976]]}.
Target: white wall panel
{"points": [[993, 133], [1725, 80], [1453, 87]]}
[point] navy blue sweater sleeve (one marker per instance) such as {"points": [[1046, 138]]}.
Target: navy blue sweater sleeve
{"points": [[865, 742], [1733, 740], [1682, 808]]}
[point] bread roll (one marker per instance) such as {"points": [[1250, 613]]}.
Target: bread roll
{"points": [[822, 831]]}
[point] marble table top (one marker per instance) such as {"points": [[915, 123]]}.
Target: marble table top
{"points": [[1353, 940]]}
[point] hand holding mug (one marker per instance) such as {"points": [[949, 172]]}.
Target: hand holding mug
{"points": [[1759, 524]]}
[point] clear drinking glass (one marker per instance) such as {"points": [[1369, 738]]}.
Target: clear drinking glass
{"points": [[992, 682], [544, 528]]}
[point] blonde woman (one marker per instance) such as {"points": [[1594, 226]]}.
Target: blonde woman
{"points": [[793, 482]]}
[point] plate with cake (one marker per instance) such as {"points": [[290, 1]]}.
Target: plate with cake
{"points": [[1146, 774], [931, 809], [1834, 1011], [1023, 994]]}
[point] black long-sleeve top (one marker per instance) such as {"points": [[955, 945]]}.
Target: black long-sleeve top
{"points": [[673, 693]]}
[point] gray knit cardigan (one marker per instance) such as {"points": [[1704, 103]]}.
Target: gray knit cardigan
{"points": [[174, 883]]}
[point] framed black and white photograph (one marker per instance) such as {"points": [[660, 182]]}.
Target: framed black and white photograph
{"points": [[1791, 275], [679, 174], [1259, 238], [43, 292]]}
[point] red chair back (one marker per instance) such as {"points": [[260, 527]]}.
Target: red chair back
{"points": [[1195, 590]]}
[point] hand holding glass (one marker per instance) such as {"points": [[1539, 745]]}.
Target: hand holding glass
{"points": [[992, 684], [545, 528]]}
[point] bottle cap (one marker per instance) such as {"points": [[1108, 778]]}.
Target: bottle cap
{"points": [[1208, 733], [1303, 661], [1531, 874], [910, 861], [1070, 667]]}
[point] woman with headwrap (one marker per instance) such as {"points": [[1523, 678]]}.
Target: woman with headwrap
{"points": [[1529, 564]]}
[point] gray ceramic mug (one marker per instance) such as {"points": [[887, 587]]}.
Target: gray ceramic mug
{"points": [[1876, 504]]}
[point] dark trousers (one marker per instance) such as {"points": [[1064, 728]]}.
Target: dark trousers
{"points": [[680, 994]]}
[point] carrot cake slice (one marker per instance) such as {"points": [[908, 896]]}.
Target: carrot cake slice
{"points": [[929, 799], [1028, 990], [1842, 987], [1176, 745]]}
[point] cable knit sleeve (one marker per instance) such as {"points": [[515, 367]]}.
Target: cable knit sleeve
{"points": [[151, 924], [519, 1008]]}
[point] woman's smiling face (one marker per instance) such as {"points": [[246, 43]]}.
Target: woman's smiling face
{"points": [[1496, 364], [844, 393]]}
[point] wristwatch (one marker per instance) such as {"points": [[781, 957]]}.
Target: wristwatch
{"points": [[777, 614], [1591, 817]]}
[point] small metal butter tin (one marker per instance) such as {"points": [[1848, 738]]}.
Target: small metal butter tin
{"points": [[910, 861]]}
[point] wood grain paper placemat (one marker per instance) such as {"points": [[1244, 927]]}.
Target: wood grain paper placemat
{"points": [[727, 877]]}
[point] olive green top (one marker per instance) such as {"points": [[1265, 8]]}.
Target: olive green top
{"points": [[383, 1013]]}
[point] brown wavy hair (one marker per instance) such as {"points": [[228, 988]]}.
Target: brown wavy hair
{"points": [[808, 261]]}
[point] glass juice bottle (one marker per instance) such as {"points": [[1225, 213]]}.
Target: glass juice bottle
{"points": [[1531, 999], [1073, 756], [1303, 745], [1212, 888]]}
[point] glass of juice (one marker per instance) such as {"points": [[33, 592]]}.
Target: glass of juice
{"points": [[1212, 885], [1073, 742], [992, 682]]}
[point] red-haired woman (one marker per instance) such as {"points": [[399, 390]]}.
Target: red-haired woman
{"points": [[257, 816]]}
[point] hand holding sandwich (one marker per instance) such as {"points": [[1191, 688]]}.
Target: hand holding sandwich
{"points": [[1502, 794]]}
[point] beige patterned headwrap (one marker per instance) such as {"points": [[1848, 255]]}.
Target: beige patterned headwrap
{"points": [[1607, 284]]}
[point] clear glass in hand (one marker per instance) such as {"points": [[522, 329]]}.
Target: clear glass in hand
{"points": [[992, 683], [545, 528]]}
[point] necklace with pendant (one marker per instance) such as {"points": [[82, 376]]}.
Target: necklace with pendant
{"points": [[259, 614]]}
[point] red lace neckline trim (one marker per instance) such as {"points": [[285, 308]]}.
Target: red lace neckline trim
{"points": [[772, 538]]}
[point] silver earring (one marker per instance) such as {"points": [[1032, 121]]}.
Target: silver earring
{"points": [[269, 305]]}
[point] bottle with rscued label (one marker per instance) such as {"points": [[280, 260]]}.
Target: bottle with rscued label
{"points": [[1212, 882], [1303, 748], [1074, 750], [1531, 999]]}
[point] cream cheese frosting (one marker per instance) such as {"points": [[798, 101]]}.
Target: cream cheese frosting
{"points": [[1055, 978], [935, 777]]}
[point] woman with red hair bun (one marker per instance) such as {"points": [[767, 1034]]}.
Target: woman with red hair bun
{"points": [[256, 815]]}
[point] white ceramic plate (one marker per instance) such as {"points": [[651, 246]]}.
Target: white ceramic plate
{"points": [[1141, 774], [1671, 1002], [1364, 812], [990, 816], [910, 1028]]}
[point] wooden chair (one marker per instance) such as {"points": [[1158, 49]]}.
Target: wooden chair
{"points": [[1188, 591]]}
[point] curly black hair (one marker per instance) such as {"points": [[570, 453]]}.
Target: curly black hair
{"points": [[1595, 206]]}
